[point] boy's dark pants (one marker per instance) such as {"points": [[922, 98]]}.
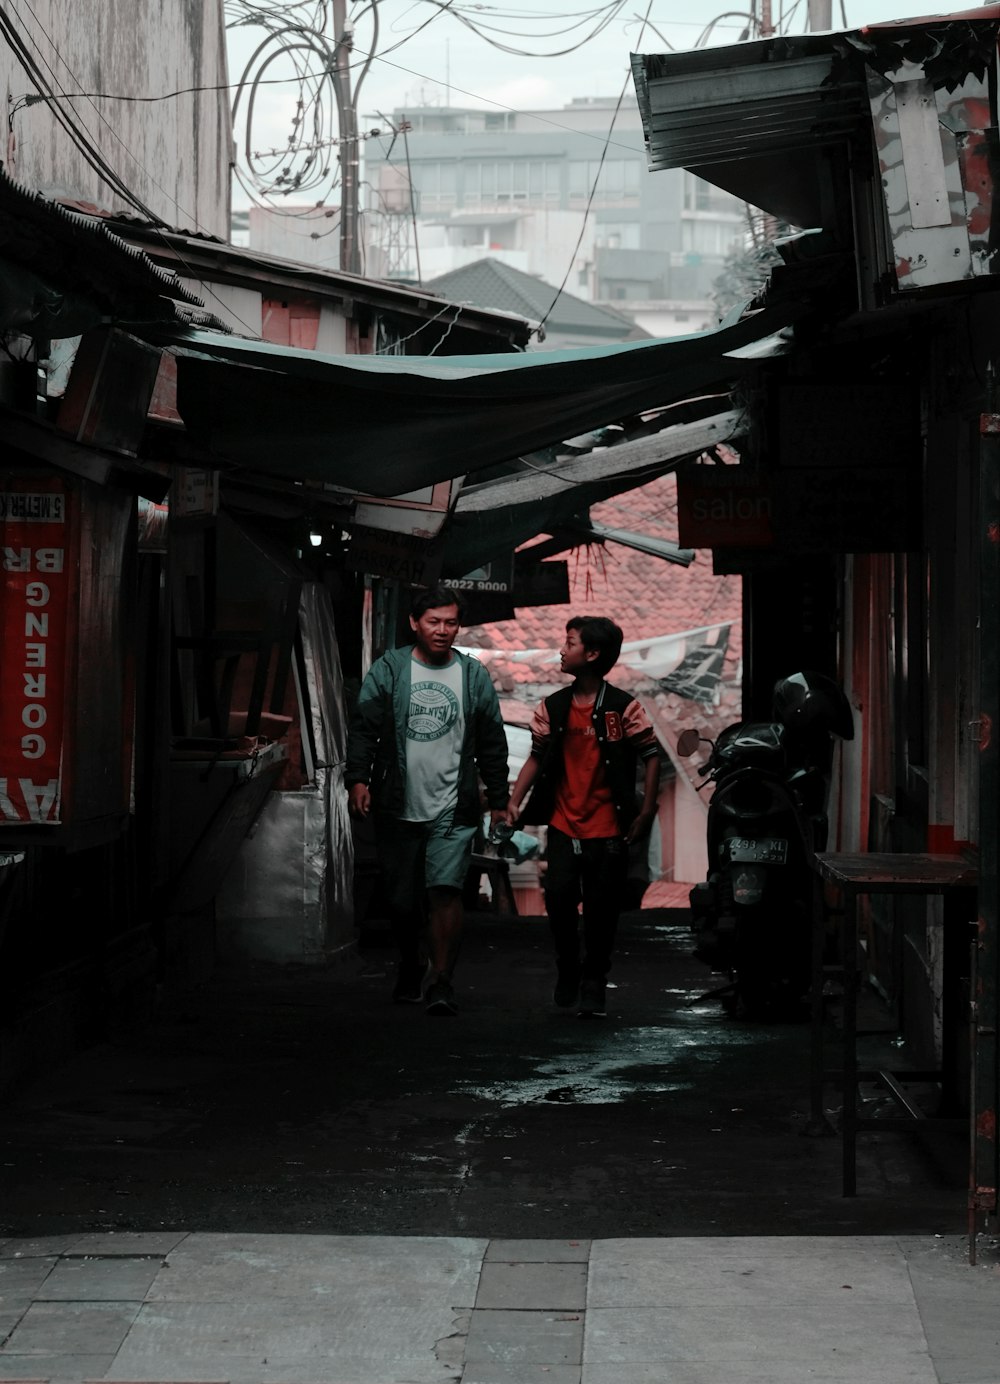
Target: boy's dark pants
{"points": [[593, 875]]}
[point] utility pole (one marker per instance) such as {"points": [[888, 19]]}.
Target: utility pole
{"points": [[766, 24], [820, 16], [350, 256]]}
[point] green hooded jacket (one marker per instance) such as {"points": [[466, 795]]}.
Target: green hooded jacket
{"points": [[376, 742]]}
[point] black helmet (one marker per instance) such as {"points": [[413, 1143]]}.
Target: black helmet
{"points": [[812, 701]]}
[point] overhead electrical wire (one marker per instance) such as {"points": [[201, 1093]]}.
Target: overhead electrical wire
{"points": [[297, 33], [601, 18], [99, 114], [301, 36], [111, 177], [593, 192], [79, 137]]}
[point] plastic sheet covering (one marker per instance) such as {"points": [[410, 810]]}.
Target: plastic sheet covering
{"points": [[404, 422], [289, 897], [328, 710]]}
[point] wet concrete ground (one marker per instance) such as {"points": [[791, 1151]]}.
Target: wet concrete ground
{"points": [[288, 1100]]}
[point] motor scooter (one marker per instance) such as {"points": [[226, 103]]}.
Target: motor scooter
{"points": [[767, 817]]}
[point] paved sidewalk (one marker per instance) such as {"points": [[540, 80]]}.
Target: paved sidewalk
{"points": [[322, 1309]]}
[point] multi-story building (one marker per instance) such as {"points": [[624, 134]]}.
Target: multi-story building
{"points": [[548, 192]]}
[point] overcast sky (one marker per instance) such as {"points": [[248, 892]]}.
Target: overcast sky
{"points": [[446, 56], [446, 64]]}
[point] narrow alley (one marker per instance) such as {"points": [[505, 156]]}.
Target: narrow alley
{"points": [[297, 1100]]}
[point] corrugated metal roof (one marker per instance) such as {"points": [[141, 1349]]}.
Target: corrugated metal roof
{"points": [[58, 243], [237, 263], [716, 105], [753, 118], [644, 457], [749, 118]]}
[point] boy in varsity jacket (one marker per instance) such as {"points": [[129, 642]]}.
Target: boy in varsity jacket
{"points": [[587, 741]]}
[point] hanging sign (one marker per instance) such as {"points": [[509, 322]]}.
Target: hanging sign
{"points": [[34, 548]]}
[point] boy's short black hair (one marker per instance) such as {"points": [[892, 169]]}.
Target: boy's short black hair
{"points": [[433, 596], [600, 633]]}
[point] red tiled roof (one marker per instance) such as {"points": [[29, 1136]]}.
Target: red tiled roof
{"points": [[646, 596]]}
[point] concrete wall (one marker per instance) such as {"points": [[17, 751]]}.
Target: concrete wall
{"points": [[173, 154]]}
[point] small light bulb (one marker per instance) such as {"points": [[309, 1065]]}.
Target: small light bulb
{"points": [[315, 538]]}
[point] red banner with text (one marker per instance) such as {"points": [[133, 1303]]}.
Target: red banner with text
{"points": [[34, 610]]}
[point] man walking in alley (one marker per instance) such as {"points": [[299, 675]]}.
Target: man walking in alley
{"points": [[586, 743], [426, 728]]}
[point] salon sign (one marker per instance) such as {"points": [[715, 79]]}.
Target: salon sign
{"points": [[34, 551]]}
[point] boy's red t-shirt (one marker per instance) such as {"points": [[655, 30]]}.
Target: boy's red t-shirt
{"points": [[584, 807]]}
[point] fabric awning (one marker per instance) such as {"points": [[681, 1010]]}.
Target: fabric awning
{"points": [[386, 425]]}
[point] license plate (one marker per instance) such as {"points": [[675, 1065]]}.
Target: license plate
{"points": [[766, 850]]}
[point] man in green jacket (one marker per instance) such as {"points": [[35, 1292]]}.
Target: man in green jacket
{"points": [[426, 729]]}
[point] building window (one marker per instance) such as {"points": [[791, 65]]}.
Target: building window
{"points": [[544, 181], [617, 181], [435, 184], [532, 181]]}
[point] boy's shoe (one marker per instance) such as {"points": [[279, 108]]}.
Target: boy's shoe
{"points": [[592, 1004], [567, 988], [440, 997], [409, 987]]}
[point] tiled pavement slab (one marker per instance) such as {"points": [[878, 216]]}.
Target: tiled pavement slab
{"points": [[541, 1287], [70, 1329], [286, 1309], [515, 1339], [99, 1280], [24, 1277], [55, 1369], [538, 1251]]}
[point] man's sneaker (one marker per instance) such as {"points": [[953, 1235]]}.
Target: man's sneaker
{"points": [[409, 987], [592, 1000], [567, 988], [440, 997]]}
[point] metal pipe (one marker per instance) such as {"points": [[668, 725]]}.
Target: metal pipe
{"points": [[820, 15]]}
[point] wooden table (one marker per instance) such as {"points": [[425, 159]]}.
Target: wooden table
{"points": [[955, 879], [497, 871]]}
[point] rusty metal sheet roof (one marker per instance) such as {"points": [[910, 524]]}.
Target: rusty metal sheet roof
{"points": [[111, 259], [754, 118], [718, 105], [81, 268], [239, 264]]}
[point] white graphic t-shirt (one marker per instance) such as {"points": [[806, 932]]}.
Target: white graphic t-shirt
{"points": [[435, 725]]}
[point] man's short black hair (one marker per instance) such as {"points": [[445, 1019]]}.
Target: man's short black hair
{"points": [[600, 633], [433, 596]]}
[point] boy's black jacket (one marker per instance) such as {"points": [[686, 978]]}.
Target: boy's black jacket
{"points": [[618, 755]]}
